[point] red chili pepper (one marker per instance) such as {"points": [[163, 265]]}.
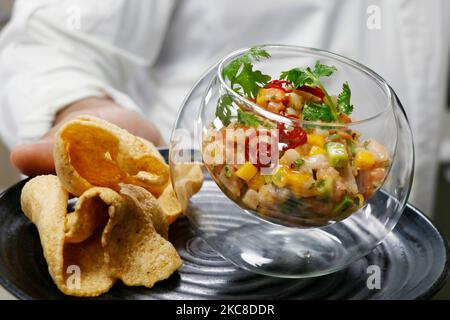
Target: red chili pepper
{"points": [[281, 132], [292, 116], [278, 84], [295, 137], [295, 133], [295, 144], [313, 90], [258, 163]]}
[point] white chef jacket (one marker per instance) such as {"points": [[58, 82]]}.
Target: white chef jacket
{"points": [[147, 54]]}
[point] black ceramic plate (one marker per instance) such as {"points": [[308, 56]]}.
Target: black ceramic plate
{"points": [[414, 262]]}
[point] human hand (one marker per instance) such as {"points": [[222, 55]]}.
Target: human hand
{"points": [[37, 158]]}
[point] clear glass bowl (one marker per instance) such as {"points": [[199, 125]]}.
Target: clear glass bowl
{"points": [[298, 241]]}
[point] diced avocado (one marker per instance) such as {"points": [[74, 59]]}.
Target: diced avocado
{"points": [[337, 154], [324, 188], [344, 205]]}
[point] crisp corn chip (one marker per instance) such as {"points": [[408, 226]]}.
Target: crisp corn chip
{"points": [[108, 236], [92, 152], [169, 204], [188, 179]]}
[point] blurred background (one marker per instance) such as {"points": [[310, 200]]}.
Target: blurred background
{"points": [[440, 214], [8, 174]]}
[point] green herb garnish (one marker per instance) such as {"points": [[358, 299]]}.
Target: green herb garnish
{"points": [[343, 101], [247, 119], [224, 113], [299, 77], [315, 111], [223, 110], [298, 163], [241, 75], [345, 204]]}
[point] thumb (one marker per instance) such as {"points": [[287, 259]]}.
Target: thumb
{"points": [[34, 158]]}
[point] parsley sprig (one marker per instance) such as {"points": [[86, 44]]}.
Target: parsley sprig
{"points": [[317, 111], [247, 119], [225, 114], [243, 78], [246, 81], [223, 110], [299, 77], [343, 100]]}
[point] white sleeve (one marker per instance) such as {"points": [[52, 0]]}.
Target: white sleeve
{"points": [[53, 53]]}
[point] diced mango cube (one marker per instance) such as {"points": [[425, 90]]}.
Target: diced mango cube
{"points": [[364, 159], [316, 140], [246, 171], [316, 150], [256, 182], [300, 183]]}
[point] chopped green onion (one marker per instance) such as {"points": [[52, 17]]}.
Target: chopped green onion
{"points": [[345, 204]]}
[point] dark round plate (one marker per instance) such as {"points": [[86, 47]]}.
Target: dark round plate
{"points": [[413, 262]]}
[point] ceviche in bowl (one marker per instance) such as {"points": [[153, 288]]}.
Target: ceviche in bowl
{"points": [[307, 157], [310, 166]]}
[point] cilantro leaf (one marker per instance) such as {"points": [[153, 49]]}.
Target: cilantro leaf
{"points": [[223, 110], [343, 100], [322, 70], [240, 72], [297, 77], [231, 70], [316, 111], [225, 114], [251, 80], [247, 119], [258, 53]]}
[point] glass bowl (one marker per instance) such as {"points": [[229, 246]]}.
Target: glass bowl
{"points": [[264, 210]]}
